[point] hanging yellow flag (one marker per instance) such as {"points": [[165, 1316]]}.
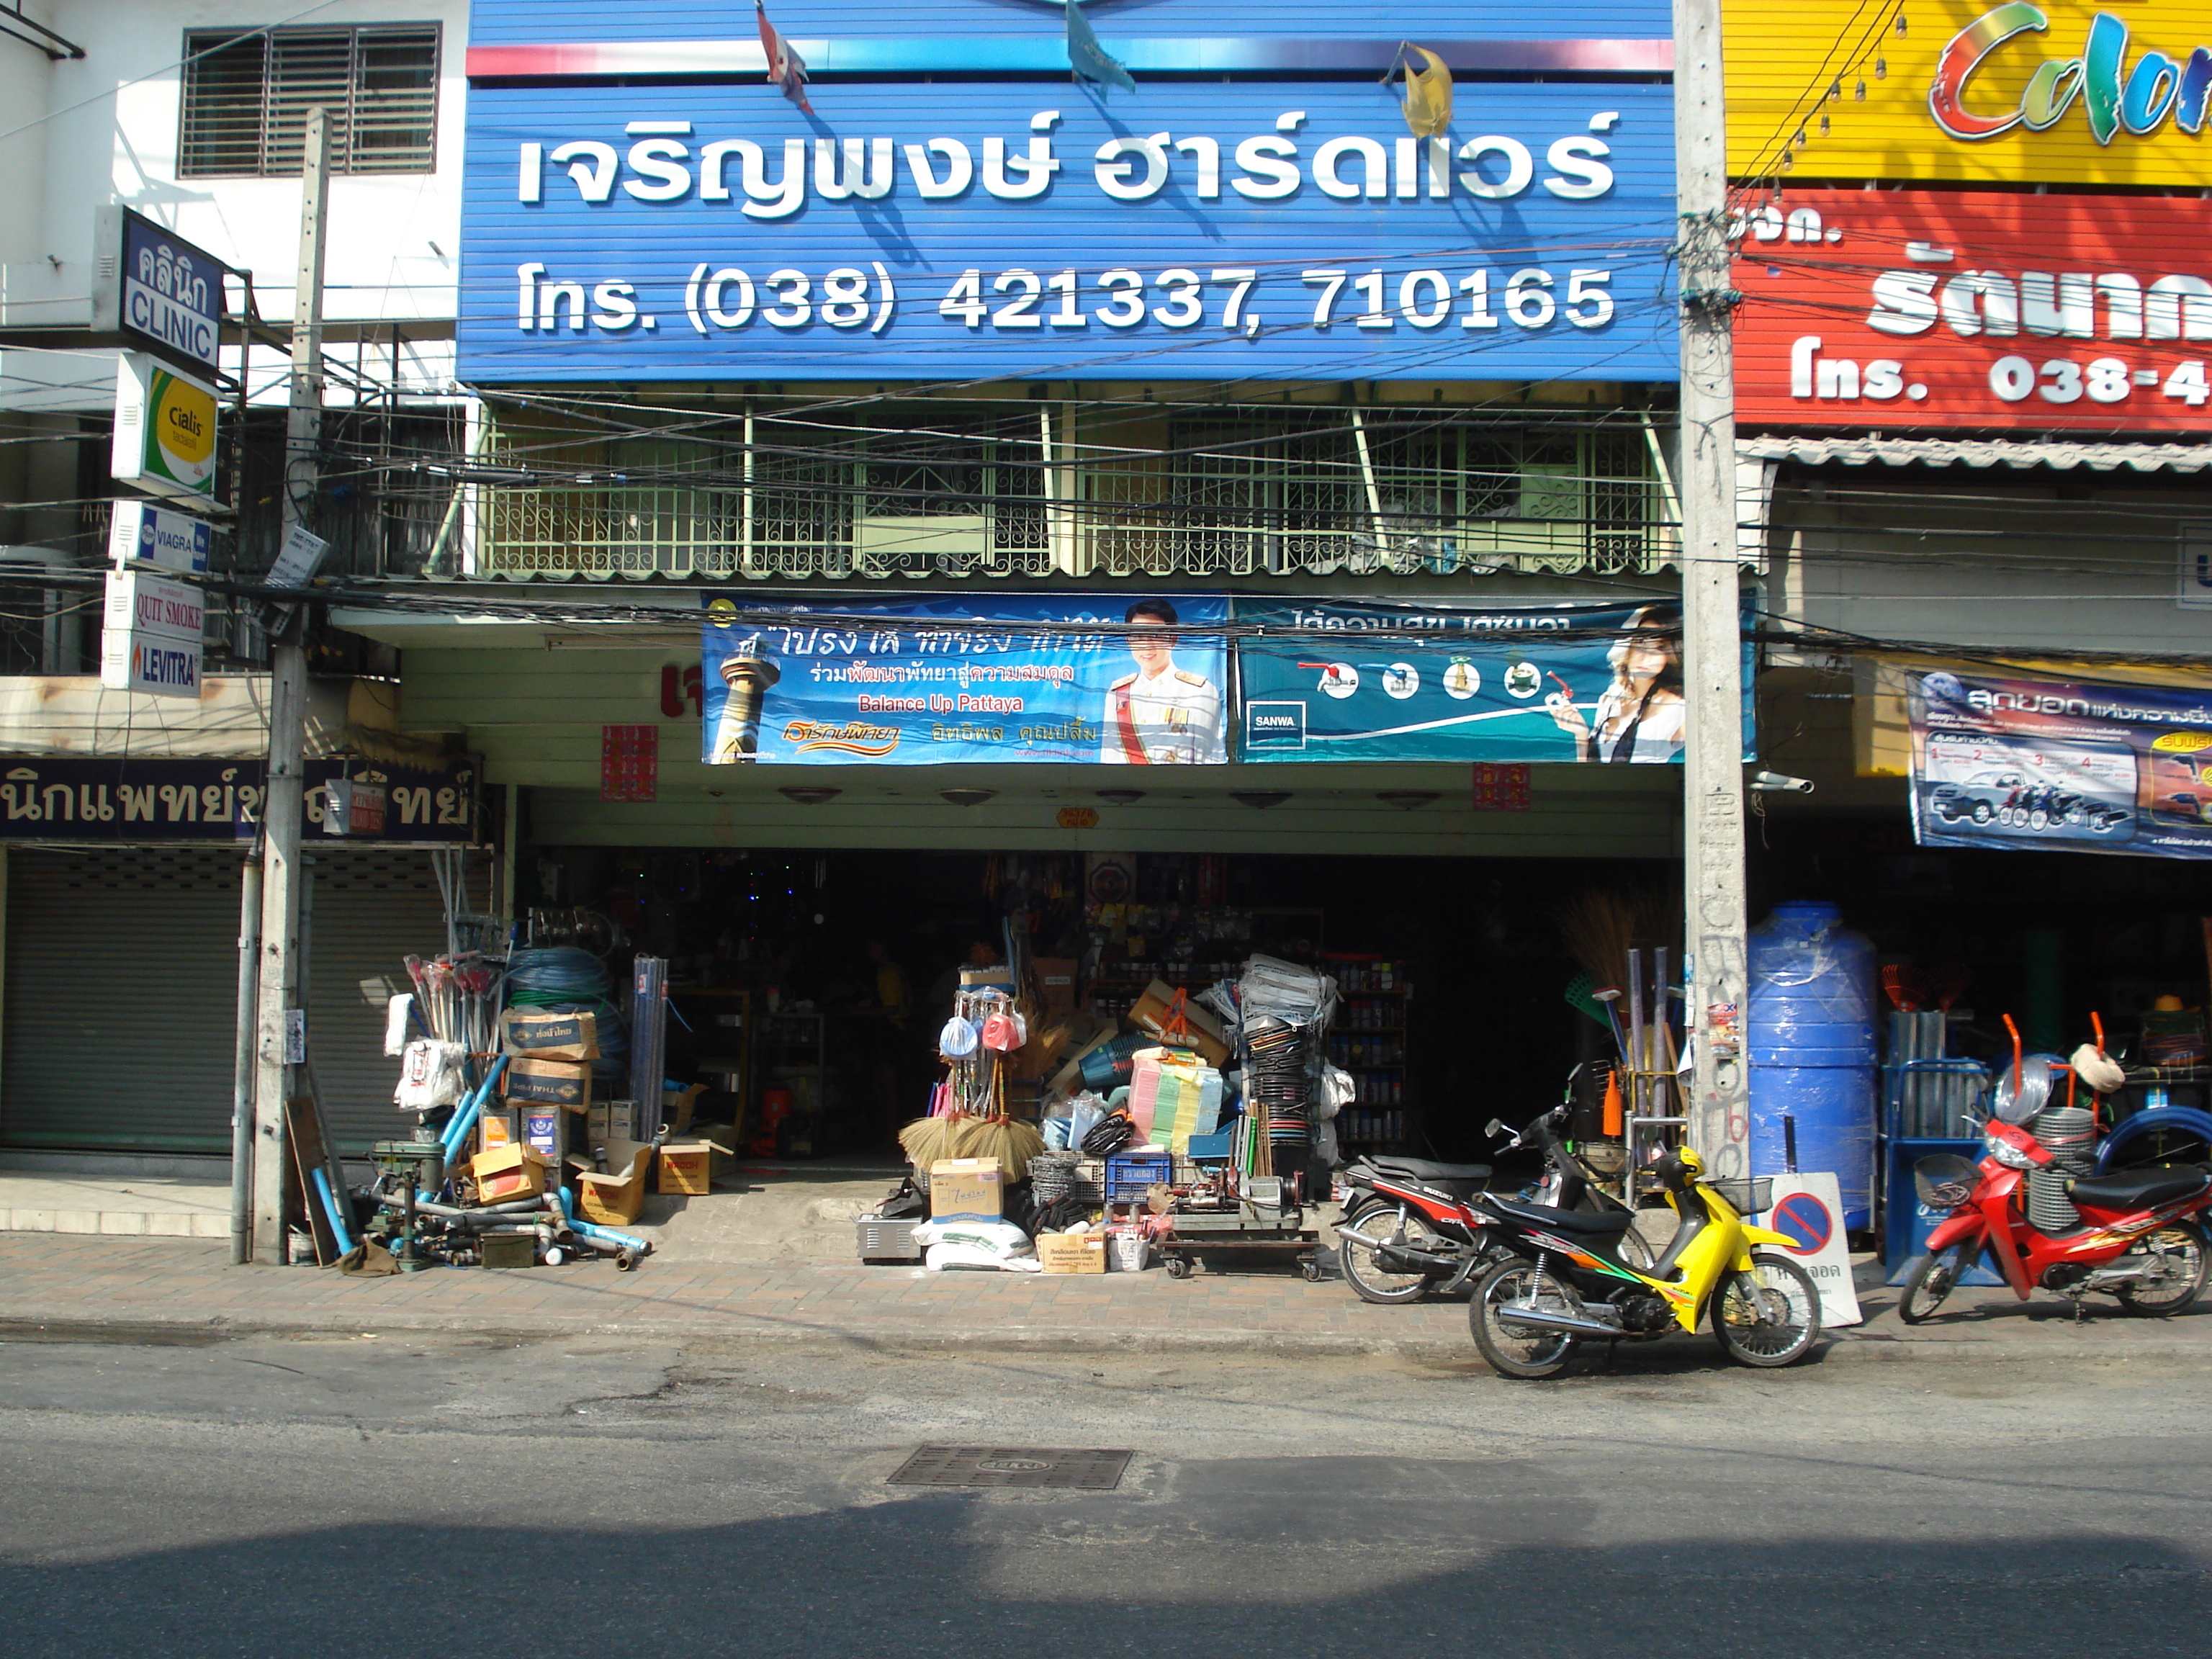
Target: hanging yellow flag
{"points": [[1428, 92]]}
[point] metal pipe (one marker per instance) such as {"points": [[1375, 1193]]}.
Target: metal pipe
{"points": [[243, 1065], [1513, 1313]]}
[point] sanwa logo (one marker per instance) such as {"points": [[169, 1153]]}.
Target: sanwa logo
{"points": [[1274, 726]]}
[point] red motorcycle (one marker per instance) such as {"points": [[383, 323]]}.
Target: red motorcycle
{"points": [[2138, 1240]]}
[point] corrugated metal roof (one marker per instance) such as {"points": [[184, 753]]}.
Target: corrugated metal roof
{"points": [[2020, 454]]}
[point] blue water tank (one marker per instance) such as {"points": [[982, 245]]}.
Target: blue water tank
{"points": [[1811, 1029]]}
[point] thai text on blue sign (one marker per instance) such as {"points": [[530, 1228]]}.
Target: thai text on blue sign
{"points": [[1129, 679], [170, 293], [2025, 764], [1288, 230], [1566, 682]]}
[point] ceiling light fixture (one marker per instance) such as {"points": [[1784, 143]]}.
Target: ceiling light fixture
{"points": [[1120, 797], [809, 794], [968, 797], [1405, 800], [1260, 799]]}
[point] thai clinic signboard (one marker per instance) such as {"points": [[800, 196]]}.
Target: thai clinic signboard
{"points": [[1571, 682], [149, 635], [1085, 679], [1903, 309], [165, 430], [141, 533], [1194, 230], [2019, 763], [160, 292], [2073, 92], [48, 799]]}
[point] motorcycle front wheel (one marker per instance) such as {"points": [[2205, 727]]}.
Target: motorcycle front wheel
{"points": [[1519, 1351], [1770, 1317], [2186, 1264], [1932, 1280], [1356, 1251]]}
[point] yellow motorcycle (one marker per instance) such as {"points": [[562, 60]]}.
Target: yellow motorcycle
{"points": [[1566, 1282]]}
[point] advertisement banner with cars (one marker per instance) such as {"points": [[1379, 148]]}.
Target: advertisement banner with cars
{"points": [[1104, 679], [692, 226], [1569, 682], [2014, 762], [1933, 309], [2060, 92]]}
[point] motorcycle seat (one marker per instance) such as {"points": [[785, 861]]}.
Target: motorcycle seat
{"points": [[2138, 1189], [1421, 1169], [1600, 1225]]}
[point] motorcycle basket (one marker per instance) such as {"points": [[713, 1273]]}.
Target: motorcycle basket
{"points": [[1752, 1197], [1945, 1180]]}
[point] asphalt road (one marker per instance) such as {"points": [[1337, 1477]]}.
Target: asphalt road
{"points": [[328, 1497]]}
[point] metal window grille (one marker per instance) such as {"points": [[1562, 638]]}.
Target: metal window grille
{"points": [[1279, 492], [247, 96]]}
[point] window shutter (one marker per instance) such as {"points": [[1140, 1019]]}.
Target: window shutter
{"points": [[247, 98]]}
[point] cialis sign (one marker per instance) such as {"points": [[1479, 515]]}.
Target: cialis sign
{"points": [[2026, 92]]}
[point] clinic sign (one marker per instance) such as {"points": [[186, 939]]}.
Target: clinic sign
{"points": [[703, 229], [1937, 309], [160, 292], [2017, 92]]}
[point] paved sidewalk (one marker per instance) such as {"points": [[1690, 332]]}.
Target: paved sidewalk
{"points": [[57, 1284]]}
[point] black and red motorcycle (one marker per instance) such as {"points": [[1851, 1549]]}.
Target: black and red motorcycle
{"points": [[1410, 1227]]}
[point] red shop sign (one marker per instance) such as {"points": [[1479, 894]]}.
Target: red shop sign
{"points": [[1898, 310]]}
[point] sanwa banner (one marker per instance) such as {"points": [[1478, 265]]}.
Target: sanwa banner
{"points": [[2015, 762], [1074, 678], [1574, 681]]}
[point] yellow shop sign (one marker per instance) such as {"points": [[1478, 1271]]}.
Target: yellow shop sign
{"points": [[2017, 92]]}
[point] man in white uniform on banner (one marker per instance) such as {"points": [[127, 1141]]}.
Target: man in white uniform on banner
{"points": [[1161, 715]]}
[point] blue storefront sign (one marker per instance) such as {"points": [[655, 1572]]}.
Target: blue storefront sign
{"points": [[664, 226], [1103, 679], [166, 295], [1570, 682]]}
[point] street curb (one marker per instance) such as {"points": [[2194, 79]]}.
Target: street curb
{"points": [[1851, 1349]]}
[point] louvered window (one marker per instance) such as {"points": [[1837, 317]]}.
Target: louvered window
{"points": [[246, 98]]}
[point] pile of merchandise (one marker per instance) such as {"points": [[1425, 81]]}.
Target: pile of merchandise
{"points": [[1197, 1129]]}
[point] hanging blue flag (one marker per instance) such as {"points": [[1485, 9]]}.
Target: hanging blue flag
{"points": [[1087, 57]]}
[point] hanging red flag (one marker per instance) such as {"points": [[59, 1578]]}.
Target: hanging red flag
{"points": [[785, 68]]}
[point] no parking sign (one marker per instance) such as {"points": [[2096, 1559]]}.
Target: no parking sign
{"points": [[1808, 1210]]}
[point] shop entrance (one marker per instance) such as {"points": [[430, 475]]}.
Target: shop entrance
{"points": [[808, 986]]}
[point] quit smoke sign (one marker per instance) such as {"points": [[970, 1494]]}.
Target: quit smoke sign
{"points": [[149, 636]]}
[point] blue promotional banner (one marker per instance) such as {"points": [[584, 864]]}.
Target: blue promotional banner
{"points": [[648, 230], [1569, 682], [1094, 679], [2017, 763]]}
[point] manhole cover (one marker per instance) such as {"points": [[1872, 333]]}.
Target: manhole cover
{"points": [[1012, 1466]]}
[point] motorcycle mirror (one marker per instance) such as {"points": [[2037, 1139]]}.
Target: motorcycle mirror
{"points": [[1495, 1127]]}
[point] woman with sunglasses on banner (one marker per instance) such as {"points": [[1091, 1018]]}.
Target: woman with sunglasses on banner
{"points": [[1639, 715]]}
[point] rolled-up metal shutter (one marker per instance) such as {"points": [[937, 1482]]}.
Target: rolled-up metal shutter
{"points": [[121, 995], [370, 912], [121, 999]]}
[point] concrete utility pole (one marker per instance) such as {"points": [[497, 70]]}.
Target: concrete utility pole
{"points": [[1712, 772], [281, 873]]}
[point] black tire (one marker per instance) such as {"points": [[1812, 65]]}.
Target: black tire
{"points": [[1525, 1354], [2186, 1286], [1369, 1281], [1769, 1324], [1933, 1281], [1178, 1267]]}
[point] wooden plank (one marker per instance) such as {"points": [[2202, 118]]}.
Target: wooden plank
{"points": [[302, 1141]]}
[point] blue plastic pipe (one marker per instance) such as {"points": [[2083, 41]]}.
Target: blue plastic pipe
{"points": [[597, 1234], [343, 1234], [473, 1107]]}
